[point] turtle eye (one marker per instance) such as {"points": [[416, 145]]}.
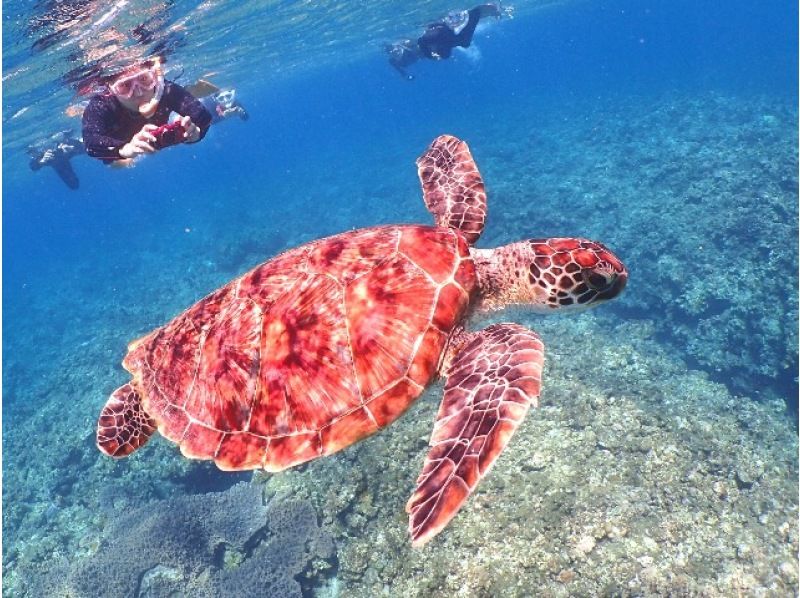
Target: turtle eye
{"points": [[598, 280]]}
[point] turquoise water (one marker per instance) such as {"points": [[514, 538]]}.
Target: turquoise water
{"points": [[664, 457]]}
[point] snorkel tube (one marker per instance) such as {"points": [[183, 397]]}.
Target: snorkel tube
{"points": [[149, 109]]}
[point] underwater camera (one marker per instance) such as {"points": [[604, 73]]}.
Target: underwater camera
{"points": [[167, 135]]}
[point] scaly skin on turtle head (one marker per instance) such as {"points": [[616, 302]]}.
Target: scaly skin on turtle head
{"points": [[547, 274]]}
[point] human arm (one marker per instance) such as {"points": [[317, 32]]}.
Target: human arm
{"points": [[194, 116], [140, 143], [99, 136], [101, 123], [101, 143], [235, 109]]}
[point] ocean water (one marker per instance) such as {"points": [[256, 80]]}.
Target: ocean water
{"points": [[663, 459]]}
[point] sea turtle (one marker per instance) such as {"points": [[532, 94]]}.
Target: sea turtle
{"points": [[329, 342]]}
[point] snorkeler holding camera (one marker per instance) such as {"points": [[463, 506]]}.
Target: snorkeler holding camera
{"points": [[131, 117]]}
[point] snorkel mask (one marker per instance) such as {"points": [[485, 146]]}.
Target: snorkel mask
{"points": [[140, 81], [225, 98]]}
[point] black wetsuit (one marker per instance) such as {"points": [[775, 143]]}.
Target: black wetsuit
{"points": [[108, 125], [62, 153], [439, 38]]}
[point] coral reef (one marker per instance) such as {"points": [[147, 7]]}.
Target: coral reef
{"points": [[225, 543], [707, 225], [293, 540]]}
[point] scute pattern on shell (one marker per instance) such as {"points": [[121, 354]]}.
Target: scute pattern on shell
{"points": [[309, 352]]}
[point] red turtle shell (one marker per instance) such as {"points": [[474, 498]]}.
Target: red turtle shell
{"points": [[308, 352]]}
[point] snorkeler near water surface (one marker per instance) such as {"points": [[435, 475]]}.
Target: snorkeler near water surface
{"points": [[440, 37], [223, 105], [130, 118], [56, 151], [220, 103]]}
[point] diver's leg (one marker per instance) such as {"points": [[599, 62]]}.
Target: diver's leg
{"points": [[65, 172], [464, 38], [476, 14]]}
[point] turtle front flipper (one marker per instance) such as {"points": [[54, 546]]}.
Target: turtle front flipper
{"points": [[492, 381], [123, 426], [453, 187]]}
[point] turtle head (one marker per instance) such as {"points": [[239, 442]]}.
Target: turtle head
{"points": [[546, 274]]}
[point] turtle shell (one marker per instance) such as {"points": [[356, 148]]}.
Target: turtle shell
{"points": [[309, 352]]}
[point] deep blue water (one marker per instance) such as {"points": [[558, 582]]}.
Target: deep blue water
{"points": [[332, 148]]}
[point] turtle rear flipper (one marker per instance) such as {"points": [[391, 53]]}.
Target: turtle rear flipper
{"points": [[123, 426], [491, 383], [452, 186]]}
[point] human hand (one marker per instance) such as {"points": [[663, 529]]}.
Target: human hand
{"points": [[140, 144], [191, 132]]}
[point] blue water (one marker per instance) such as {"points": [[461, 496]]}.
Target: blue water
{"points": [[330, 146], [582, 51]]}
